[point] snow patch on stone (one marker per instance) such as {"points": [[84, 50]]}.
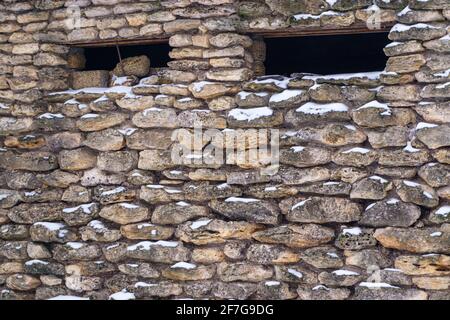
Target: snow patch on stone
{"points": [[353, 231], [250, 114], [183, 265], [200, 223], [317, 109]]}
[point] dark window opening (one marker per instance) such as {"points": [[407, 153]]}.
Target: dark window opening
{"points": [[326, 54], [106, 58]]}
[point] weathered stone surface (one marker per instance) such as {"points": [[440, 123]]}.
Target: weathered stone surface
{"points": [[418, 31], [430, 264], [391, 276], [252, 210], [161, 289], [287, 98], [124, 213], [434, 112], [355, 239], [10, 125], [405, 64], [40, 267], [388, 293], [434, 136], [367, 259], [420, 194], [328, 134], [11, 267], [394, 136], [208, 255], [234, 290], [270, 254], [159, 251], [408, 156], [189, 272], [204, 118], [13, 232], [299, 156], [322, 292], [205, 231], [51, 232], [177, 213], [295, 176], [144, 270], [208, 90], [373, 187], [146, 231], [375, 114], [97, 231], [118, 161], [400, 172], [320, 209], [96, 122], [441, 214], [155, 160], [64, 140], [80, 215], [13, 250], [22, 282], [88, 79], [357, 157], [243, 272], [160, 194], [58, 179], [435, 174], [399, 48], [9, 198], [77, 159], [275, 290], [105, 140], [136, 103], [322, 257], [442, 155], [423, 240], [311, 111], [391, 212], [295, 236], [32, 213], [135, 66], [155, 118], [111, 194], [341, 277], [432, 283], [95, 177], [25, 142], [30, 161]]}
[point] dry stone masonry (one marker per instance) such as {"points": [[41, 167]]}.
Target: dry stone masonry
{"points": [[92, 205]]}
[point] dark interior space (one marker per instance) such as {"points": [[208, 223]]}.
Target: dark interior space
{"points": [[106, 58], [326, 54]]}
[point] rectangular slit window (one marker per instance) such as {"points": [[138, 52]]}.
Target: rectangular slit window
{"points": [[106, 58], [327, 54]]}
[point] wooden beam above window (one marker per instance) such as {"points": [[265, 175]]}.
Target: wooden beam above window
{"points": [[268, 33], [300, 32], [120, 42]]}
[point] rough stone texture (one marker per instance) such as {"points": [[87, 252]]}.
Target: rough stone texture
{"points": [[93, 203]]}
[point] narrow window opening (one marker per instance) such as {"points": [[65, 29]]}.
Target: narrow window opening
{"points": [[106, 58], [330, 54]]}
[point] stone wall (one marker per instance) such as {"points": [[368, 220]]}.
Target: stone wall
{"points": [[92, 204]]}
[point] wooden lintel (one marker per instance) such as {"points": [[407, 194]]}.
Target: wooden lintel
{"points": [[120, 42], [267, 33], [304, 32]]}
